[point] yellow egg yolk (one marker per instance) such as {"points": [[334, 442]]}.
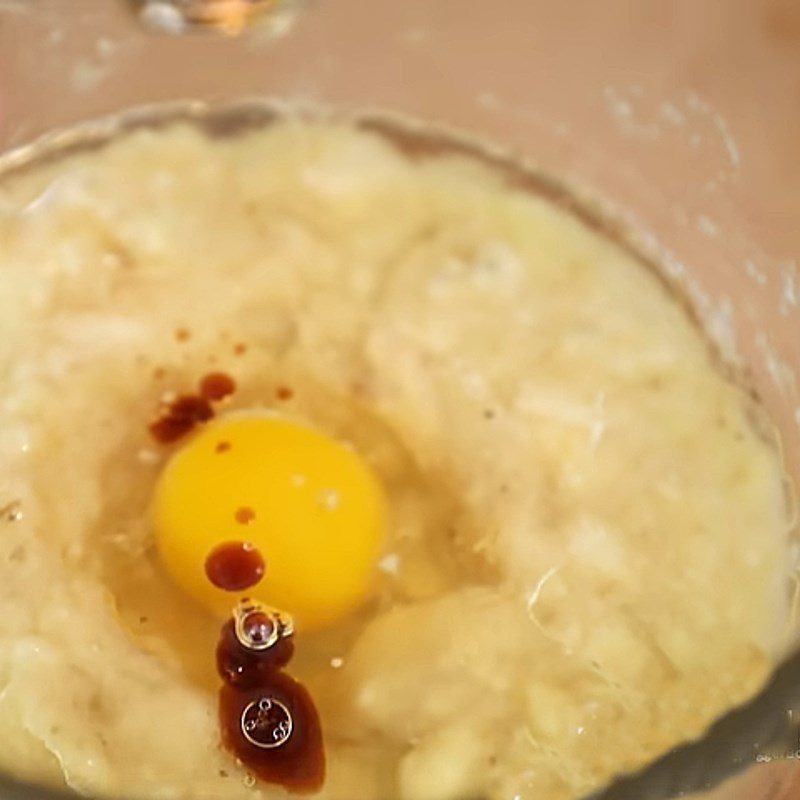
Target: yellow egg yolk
{"points": [[310, 505]]}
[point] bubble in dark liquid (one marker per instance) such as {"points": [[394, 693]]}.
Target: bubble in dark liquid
{"points": [[267, 723]]}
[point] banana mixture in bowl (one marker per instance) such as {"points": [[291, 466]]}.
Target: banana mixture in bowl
{"points": [[346, 462]]}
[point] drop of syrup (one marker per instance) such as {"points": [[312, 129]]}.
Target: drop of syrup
{"points": [[235, 566], [267, 719], [217, 386], [180, 417], [245, 668]]}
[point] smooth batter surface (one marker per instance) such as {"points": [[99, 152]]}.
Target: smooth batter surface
{"points": [[586, 560]]}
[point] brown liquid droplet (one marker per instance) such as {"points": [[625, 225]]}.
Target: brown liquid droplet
{"points": [[180, 417], [267, 719], [245, 668], [217, 386], [235, 566], [244, 515], [298, 762], [284, 393]]}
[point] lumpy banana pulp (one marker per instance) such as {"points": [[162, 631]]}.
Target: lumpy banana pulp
{"points": [[585, 562]]}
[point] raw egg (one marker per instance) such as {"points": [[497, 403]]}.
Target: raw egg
{"points": [[310, 505]]}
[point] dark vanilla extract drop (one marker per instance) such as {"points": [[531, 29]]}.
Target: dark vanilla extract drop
{"points": [[180, 417], [274, 730], [267, 719], [243, 668], [235, 566], [217, 386]]}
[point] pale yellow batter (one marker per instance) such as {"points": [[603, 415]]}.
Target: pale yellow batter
{"points": [[586, 562]]}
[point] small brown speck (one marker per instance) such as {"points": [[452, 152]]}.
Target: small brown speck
{"points": [[223, 773], [182, 334], [489, 413], [180, 417], [217, 386], [240, 348], [244, 515], [159, 373], [222, 447], [143, 620], [284, 393]]}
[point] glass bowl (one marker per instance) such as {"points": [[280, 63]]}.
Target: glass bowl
{"points": [[680, 119]]}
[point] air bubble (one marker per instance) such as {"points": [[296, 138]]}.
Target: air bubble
{"points": [[328, 499]]}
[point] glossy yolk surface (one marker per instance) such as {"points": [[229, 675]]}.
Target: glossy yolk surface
{"points": [[311, 506]]}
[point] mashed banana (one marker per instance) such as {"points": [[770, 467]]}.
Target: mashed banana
{"points": [[586, 563]]}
